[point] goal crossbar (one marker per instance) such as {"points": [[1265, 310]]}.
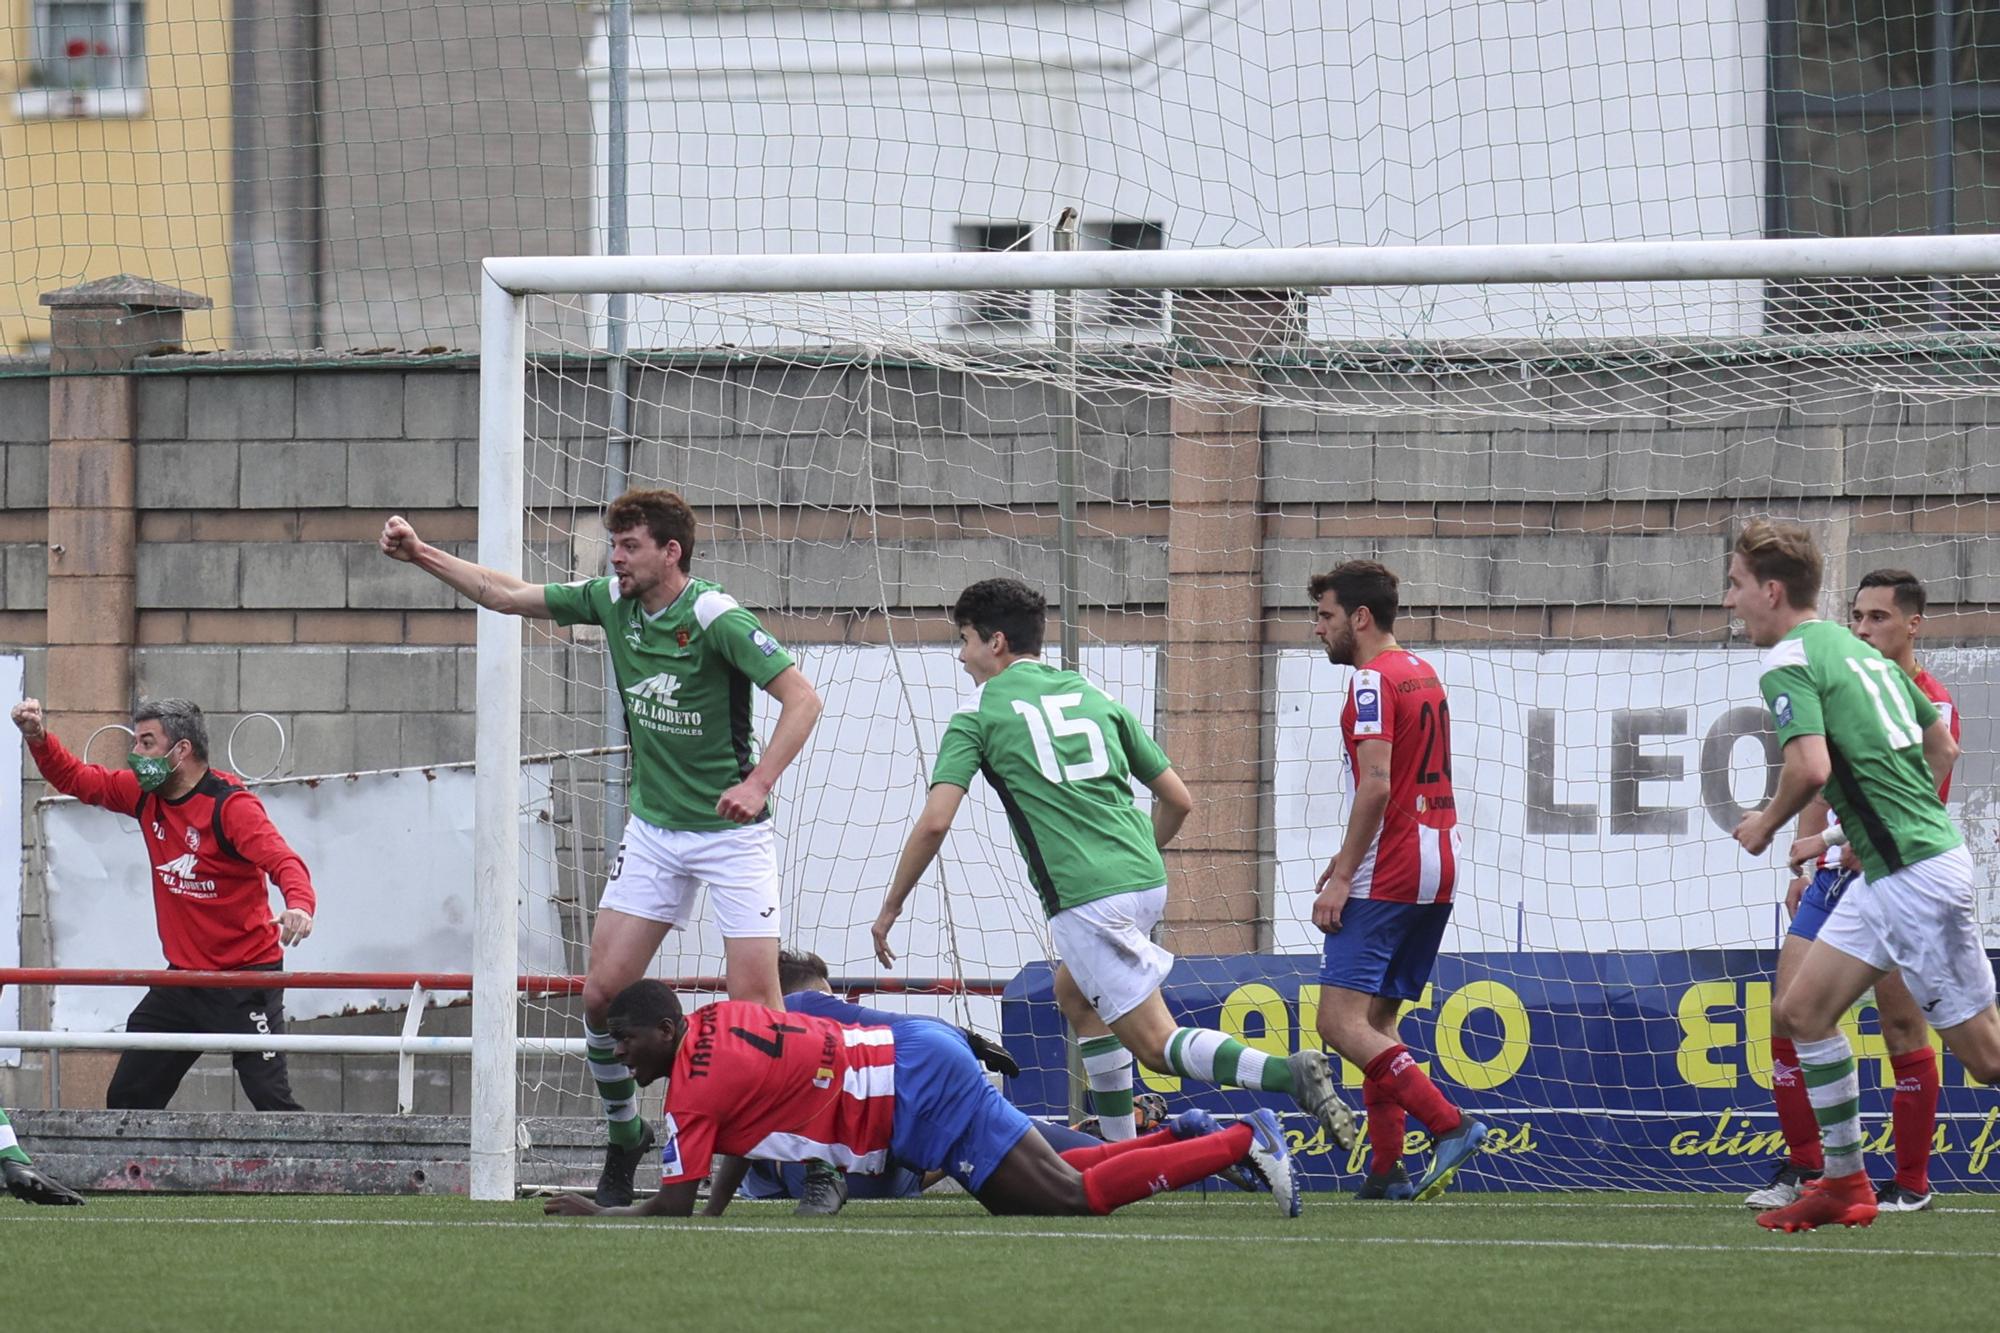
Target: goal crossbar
{"points": [[1350, 266]]}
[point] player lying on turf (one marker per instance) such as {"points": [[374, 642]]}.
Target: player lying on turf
{"points": [[1856, 729], [23, 1181], [761, 1083], [1061, 755], [822, 1189], [1887, 614]]}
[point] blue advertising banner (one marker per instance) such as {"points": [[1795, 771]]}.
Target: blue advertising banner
{"points": [[1593, 1070]]}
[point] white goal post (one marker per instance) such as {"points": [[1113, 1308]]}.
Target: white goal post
{"points": [[508, 284]]}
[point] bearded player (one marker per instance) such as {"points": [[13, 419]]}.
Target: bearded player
{"points": [[1887, 615], [1855, 729], [686, 656], [750, 1082], [1385, 898]]}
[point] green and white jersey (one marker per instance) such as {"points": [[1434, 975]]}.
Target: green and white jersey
{"points": [[686, 675], [1061, 755], [1820, 680]]}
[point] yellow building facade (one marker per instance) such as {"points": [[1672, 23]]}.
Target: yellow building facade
{"points": [[115, 139]]}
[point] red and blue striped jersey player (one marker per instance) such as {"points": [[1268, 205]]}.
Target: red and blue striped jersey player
{"points": [[1887, 614], [764, 1084], [1385, 898]]}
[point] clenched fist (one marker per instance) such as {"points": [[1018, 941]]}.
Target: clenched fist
{"points": [[28, 717], [399, 540]]}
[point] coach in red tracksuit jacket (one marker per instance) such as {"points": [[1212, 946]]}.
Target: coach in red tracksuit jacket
{"points": [[211, 846]]}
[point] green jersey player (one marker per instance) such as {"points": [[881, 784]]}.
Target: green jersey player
{"points": [[1856, 729], [686, 657], [1061, 755]]}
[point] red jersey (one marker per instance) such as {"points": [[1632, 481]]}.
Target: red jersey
{"points": [[1933, 689], [1398, 698], [780, 1087], [210, 850]]}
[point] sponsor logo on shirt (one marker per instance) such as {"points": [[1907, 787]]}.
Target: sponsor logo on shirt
{"points": [[177, 877], [1781, 708], [670, 1149], [653, 703], [1367, 703]]}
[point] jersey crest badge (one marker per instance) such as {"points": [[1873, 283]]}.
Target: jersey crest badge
{"points": [[680, 638], [765, 643], [1781, 709], [194, 839], [670, 1149], [824, 1078]]}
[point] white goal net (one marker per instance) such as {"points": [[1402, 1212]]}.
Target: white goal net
{"points": [[1555, 470]]}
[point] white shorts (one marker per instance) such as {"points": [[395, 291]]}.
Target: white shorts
{"points": [[1107, 946], [1920, 921], [658, 872]]}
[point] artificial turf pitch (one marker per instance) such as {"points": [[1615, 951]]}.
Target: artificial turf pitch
{"points": [[1572, 1262]]}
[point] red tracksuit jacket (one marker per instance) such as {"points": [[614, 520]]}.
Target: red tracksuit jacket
{"points": [[210, 849]]}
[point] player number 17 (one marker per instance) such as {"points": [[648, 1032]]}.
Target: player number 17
{"points": [[1902, 729], [1096, 766]]}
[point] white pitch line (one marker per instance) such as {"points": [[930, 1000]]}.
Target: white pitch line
{"points": [[1724, 1204], [793, 1234]]}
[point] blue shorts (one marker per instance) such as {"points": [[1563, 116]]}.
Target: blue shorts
{"points": [[948, 1117], [1385, 949], [1816, 904]]}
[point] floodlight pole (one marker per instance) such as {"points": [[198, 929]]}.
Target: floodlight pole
{"points": [[618, 420], [1068, 567], [1071, 567]]}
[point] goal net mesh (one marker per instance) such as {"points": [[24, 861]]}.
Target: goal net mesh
{"points": [[1554, 472]]}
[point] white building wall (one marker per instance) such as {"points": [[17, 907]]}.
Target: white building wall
{"points": [[1231, 122]]}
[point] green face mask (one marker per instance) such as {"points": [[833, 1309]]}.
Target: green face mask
{"points": [[152, 770]]}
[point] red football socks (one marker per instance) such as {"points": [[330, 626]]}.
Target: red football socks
{"points": [[1387, 1123], [1396, 1070], [1141, 1168], [1795, 1113], [1913, 1110], [1085, 1158]]}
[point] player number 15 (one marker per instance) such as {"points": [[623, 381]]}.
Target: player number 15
{"points": [[1096, 766]]}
